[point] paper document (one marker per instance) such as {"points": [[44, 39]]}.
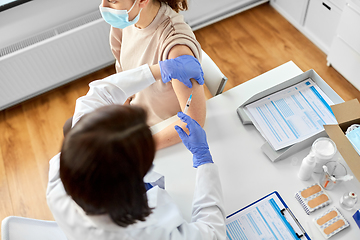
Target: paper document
{"points": [[263, 220], [292, 114]]}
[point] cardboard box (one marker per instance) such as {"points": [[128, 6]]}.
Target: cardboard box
{"points": [[288, 151], [346, 114]]}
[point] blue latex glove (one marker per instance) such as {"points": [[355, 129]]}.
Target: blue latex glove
{"points": [[195, 141], [182, 68]]}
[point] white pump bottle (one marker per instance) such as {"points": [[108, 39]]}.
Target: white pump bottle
{"points": [[307, 167]]}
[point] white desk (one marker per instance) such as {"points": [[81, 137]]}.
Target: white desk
{"points": [[246, 173]]}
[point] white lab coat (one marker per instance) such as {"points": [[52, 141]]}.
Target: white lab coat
{"points": [[165, 221]]}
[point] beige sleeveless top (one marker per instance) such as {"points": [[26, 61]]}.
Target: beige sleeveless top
{"points": [[133, 47]]}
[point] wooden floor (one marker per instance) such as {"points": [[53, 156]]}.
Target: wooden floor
{"points": [[243, 46]]}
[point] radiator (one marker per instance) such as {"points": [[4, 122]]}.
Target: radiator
{"points": [[53, 58], [70, 51]]}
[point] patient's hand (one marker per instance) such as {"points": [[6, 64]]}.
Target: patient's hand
{"points": [[127, 102]]}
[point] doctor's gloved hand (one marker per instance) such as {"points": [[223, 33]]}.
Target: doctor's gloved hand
{"points": [[182, 68], [196, 140]]}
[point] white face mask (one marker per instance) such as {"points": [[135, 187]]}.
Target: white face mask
{"points": [[118, 18], [353, 134]]}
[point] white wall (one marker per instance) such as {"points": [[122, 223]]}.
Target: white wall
{"points": [[36, 16], [204, 12]]}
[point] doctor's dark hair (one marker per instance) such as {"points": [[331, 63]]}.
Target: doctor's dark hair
{"points": [[103, 161], [176, 5]]}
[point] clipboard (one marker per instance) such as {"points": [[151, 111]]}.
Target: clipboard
{"points": [[266, 218], [288, 151]]}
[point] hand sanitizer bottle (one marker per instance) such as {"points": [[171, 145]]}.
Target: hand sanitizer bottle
{"points": [[307, 167]]}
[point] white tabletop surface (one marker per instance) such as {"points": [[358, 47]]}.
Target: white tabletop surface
{"points": [[246, 173]]}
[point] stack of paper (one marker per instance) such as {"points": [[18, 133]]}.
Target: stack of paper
{"points": [[292, 114]]}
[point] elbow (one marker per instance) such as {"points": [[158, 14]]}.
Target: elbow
{"points": [[198, 111], [201, 119], [198, 116]]}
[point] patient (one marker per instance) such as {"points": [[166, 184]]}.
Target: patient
{"points": [[153, 32]]}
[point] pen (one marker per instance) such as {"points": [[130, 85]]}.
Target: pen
{"points": [[187, 104]]}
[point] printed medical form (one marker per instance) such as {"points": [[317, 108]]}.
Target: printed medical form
{"points": [[268, 218], [292, 114]]}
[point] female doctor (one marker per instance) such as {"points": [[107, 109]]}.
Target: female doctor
{"points": [[96, 186]]}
